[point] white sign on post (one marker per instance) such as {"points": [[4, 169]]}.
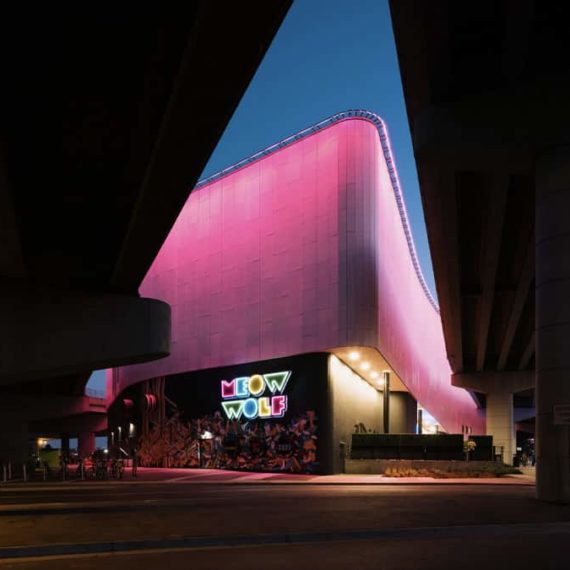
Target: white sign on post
{"points": [[561, 414]]}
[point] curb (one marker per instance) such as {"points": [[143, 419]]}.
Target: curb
{"points": [[482, 482]]}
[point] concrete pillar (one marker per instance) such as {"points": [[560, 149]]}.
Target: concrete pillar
{"points": [[15, 446], [552, 250], [499, 388], [86, 444], [500, 422]]}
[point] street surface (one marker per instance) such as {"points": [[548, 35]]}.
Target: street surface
{"points": [[200, 519]]}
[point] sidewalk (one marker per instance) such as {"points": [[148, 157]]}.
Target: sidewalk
{"points": [[529, 472], [223, 477], [208, 476]]}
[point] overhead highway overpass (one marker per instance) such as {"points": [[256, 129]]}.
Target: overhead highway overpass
{"points": [[487, 86], [106, 122]]}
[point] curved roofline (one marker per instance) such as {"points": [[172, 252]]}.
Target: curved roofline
{"points": [[380, 125]]}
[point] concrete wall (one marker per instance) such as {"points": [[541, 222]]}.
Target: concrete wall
{"points": [[352, 401], [15, 443], [403, 413], [302, 250]]}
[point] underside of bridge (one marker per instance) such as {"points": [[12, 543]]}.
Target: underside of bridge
{"points": [[487, 87], [106, 122]]}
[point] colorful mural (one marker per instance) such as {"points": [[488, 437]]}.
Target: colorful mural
{"points": [[274, 426], [217, 443]]}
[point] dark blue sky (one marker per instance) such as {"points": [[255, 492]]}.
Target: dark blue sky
{"points": [[328, 56]]}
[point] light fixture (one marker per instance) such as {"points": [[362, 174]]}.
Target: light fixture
{"points": [[353, 355], [365, 365], [374, 374]]}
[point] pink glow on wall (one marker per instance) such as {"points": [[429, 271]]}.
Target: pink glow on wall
{"points": [[302, 250]]}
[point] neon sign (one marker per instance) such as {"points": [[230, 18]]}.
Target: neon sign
{"points": [[245, 396]]}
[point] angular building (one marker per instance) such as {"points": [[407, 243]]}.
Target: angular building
{"points": [[299, 312]]}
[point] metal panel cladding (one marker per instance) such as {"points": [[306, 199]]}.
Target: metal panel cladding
{"points": [[303, 247]]}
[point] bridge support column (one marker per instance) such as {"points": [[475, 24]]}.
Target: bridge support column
{"points": [[14, 442], [500, 422], [499, 387], [86, 444], [552, 249]]}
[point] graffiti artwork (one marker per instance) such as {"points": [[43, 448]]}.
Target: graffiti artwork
{"points": [[257, 417]]}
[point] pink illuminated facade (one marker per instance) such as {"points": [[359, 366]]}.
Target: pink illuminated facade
{"points": [[303, 248]]}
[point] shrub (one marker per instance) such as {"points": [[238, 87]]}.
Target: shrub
{"points": [[486, 471]]}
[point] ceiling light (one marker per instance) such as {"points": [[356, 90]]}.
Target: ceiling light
{"points": [[374, 374], [365, 365], [353, 355]]}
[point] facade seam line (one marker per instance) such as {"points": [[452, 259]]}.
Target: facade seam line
{"points": [[380, 125]]}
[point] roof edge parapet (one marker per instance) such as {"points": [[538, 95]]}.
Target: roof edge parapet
{"points": [[380, 125]]}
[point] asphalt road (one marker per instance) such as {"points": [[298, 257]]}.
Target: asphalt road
{"points": [[172, 525]]}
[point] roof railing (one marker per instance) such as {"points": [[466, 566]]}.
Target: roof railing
{"points": [[380, 125]]}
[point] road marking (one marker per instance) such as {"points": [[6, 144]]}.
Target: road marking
{"points": [[51, 551]]}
